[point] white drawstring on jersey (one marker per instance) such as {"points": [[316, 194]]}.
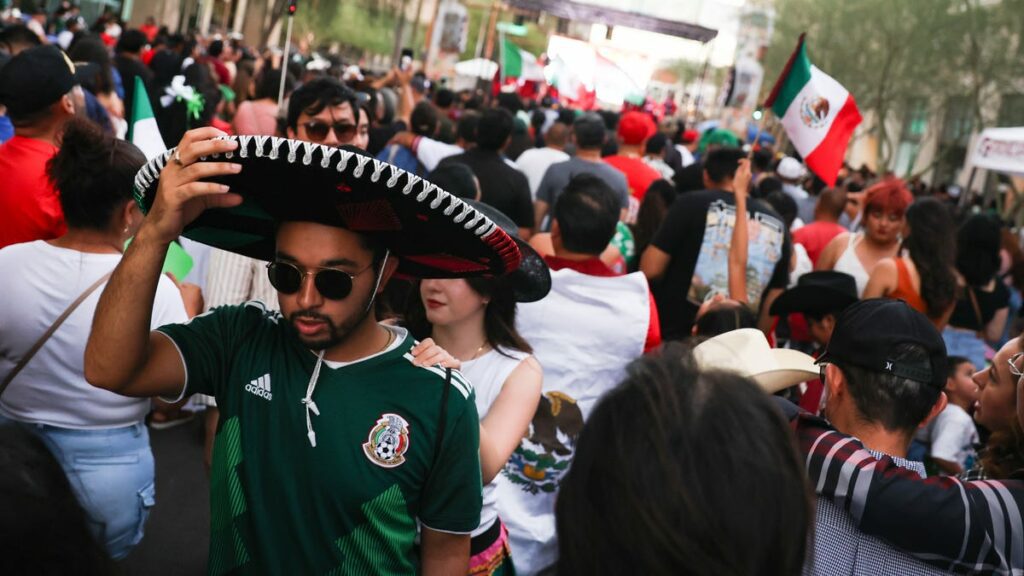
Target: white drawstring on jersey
{"points": [[308, 400]]}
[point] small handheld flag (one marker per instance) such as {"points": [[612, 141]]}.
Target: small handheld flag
{"points": [[143, 130]]}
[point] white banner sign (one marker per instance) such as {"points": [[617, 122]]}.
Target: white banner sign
{"points": [[1001, 150]]}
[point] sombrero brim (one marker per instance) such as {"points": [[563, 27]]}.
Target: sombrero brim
{"points": [[810, 299], [435, 234], [532, 280]]}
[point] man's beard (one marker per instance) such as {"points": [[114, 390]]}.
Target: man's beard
{"points": [[335, 334]]}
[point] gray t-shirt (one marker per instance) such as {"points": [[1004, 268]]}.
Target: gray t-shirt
{"points": [[558, 175]]}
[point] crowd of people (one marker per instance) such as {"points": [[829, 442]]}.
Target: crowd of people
{"points": [[463, 333]]}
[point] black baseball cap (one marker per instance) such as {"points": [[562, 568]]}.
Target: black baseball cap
{"points": [[35, 79], [867, 332]]}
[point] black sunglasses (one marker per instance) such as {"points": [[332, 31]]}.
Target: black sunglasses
{"points": [[317, 130], [332, 283]]}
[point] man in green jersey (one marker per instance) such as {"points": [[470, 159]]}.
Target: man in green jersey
{"points": [[333, 447]]}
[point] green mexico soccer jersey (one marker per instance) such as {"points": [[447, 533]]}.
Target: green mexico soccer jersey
{"points": [[351, 504]]}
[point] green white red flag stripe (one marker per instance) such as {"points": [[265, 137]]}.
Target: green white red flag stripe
{"points": [[818, 114], [143, 130]]}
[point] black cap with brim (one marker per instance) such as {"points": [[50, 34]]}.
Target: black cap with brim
{"points": [[867, 333], [433, 233], [820, 292], [36, 78], [532, 280]]}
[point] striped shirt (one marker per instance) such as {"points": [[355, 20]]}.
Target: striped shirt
{"points": [[972, 527], [840, 548], [234, 279]]}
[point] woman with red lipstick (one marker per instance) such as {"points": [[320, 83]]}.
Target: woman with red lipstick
{"points": [[474, 320]]}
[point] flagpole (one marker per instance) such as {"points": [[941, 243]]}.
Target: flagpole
{"points": [[757, 136], [287, 47]]}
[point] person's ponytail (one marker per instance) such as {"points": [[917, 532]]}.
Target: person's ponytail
{"points": [[93, 172]]}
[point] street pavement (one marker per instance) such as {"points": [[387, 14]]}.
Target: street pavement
{"points": [[178, 530]]}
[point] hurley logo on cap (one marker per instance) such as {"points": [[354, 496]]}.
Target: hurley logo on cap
{"points": [[870, 332]]}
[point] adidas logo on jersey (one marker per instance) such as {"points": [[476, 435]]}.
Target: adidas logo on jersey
{"points": [[260, 387]]}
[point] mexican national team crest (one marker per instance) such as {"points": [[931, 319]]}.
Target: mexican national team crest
{"points": [[388, 441]]}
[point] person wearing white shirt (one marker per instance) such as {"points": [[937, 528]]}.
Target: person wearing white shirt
{"points": [[98, 437], [535, 161], [953, 435]]}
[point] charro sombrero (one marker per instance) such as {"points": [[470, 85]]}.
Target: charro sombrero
{"points": [[532, 280], [434, 234]]}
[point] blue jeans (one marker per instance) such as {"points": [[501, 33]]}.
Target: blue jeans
{"points": [[111, 472], [967, 344]]}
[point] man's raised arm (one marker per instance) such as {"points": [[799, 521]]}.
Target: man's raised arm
{"points": [[122, 355]]}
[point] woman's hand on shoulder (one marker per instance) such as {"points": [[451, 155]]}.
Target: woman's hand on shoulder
{"points": [[428, 353]]}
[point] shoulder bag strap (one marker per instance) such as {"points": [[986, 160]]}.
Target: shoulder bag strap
{"points": [[977, 309], [49, 332]]}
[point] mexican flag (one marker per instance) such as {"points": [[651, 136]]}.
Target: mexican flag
{"points": [[518, 63], [819, 115], [142, 130]]}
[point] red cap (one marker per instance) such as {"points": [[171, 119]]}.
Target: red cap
{"points": [[690, 136], [635, 127]]}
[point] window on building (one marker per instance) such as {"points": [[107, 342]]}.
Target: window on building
{"points": [[915, 123], [957, 124], [1011, 110]]}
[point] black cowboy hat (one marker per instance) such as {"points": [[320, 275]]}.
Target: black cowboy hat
{"points": [[532, 280], [817, 293], [433, 233]]}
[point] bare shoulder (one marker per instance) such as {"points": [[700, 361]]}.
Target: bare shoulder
{"points": [[884, 279], [885, 266], [839, 241], [529, 367], [830, 255]]}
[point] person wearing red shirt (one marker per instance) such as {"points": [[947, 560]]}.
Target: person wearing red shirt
{"points": [[39, 89], [634, 130], [816, 235], [150, 29]]}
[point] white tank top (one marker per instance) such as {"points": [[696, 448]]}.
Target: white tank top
{"points": [[488, 374], [850, 264]]}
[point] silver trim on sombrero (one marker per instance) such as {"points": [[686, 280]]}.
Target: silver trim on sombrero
{"points": [[457, 210]]}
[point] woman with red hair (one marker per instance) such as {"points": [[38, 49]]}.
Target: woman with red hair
{"points": [[883, 219]]}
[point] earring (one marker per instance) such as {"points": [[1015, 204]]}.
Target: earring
{"points": [[125, 229]]}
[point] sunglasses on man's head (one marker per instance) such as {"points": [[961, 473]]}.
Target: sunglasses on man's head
{"points": [[332, 283], [317, 130]]}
